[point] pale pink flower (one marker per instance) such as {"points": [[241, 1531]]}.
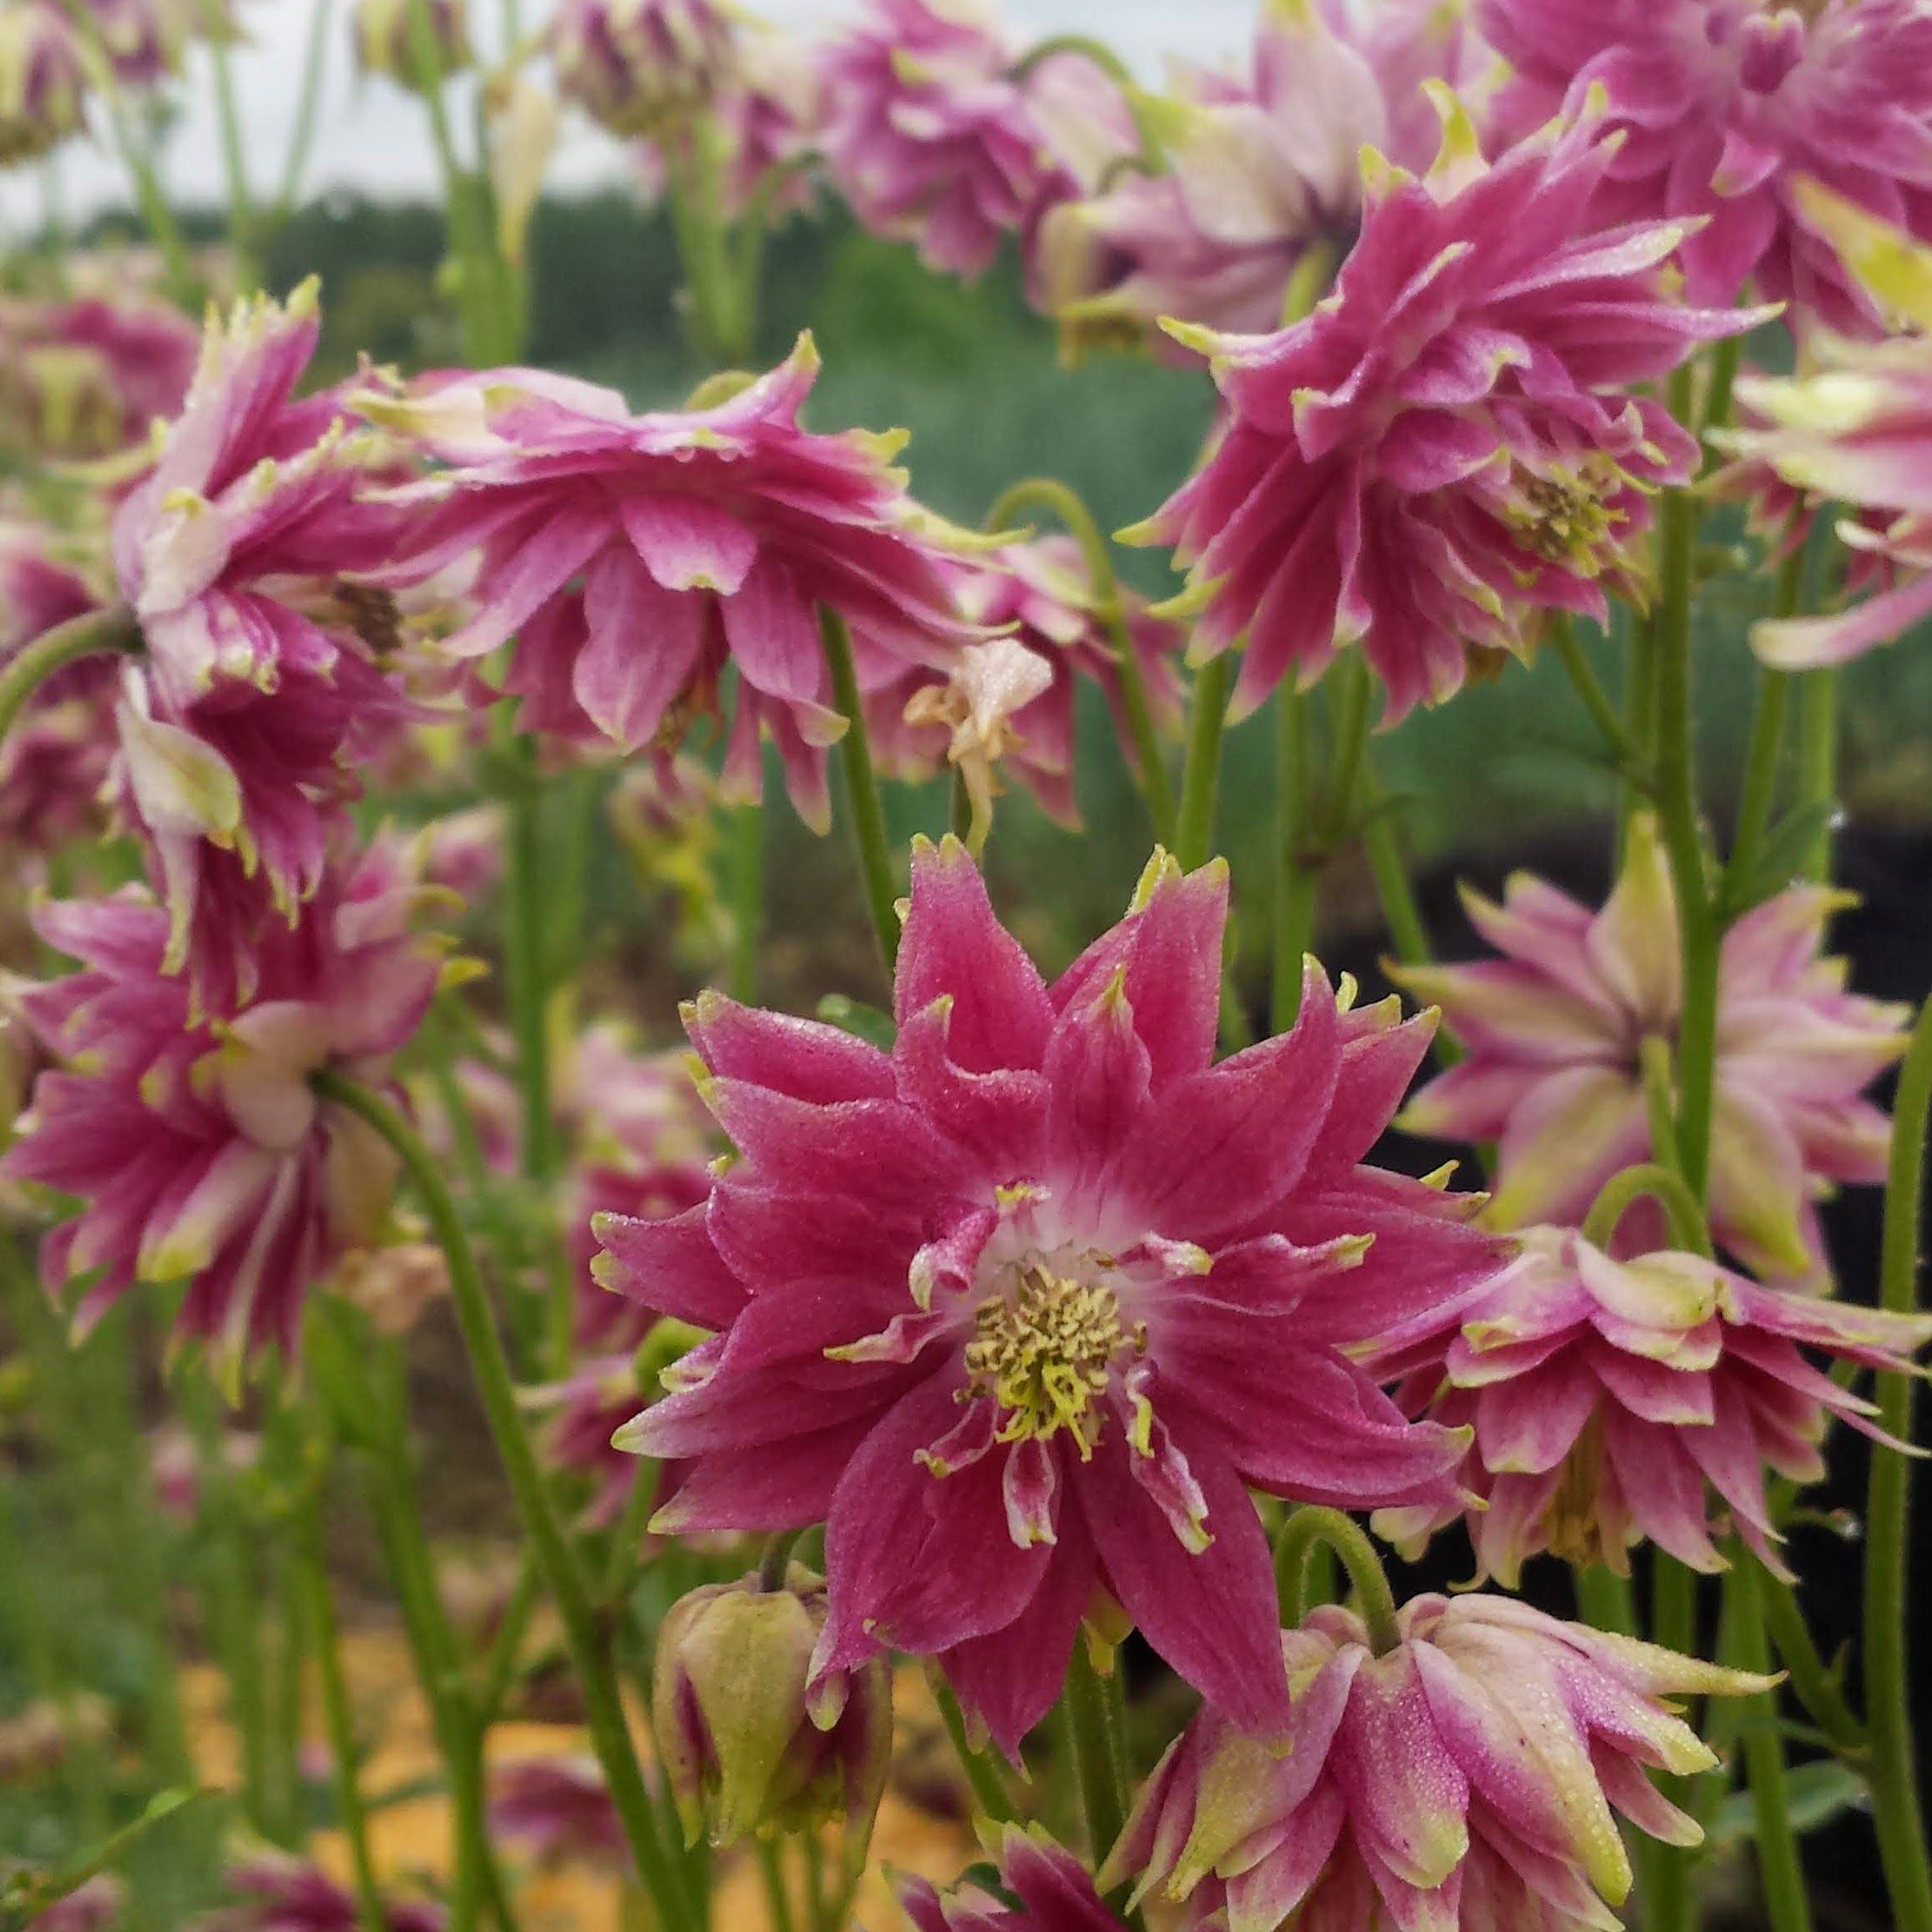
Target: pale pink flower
{"points": [[91, 378], [1448, 446], [1471, 1776], [257, 688], [145, 41], [279, 1893], [91, 1907], [932, 138], [702, 537], [1013, 701], [1023, 1307], [1724, 108], [1616, 1402], [41, 89], [1555, 1027], [1260, 168], [197, 1146], [556, 1810]]}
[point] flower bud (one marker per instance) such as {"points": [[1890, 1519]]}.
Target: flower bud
{"points": [[40, 80], [637, 66], [386, 40], [741, 1743]]}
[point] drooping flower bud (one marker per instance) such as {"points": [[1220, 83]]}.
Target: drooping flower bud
{"points": [[743, 1746], [387, 40], [637, 66], [40, 80]]}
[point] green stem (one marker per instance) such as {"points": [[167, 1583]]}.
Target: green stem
{"points": [[1780, 1871], [234, 159], [864, 810], [609, 1731], [1817, 760], [1597, 702], [1099, 1753], [747, 836], [1605, 1600], [1813, 1683], [1678, 811], [302, 133], [1401, 910], [500, 1669], [1311, 1523], [1622, 1190], [777, 1897], [325, 1641], [1349, 693], [1894, 1778], [529, 991], [1640, 717], [1201, 775], [1297, 869], [1671, 1904], [982, 1775], [89, 635], [1060, 501], [1758, 795]]}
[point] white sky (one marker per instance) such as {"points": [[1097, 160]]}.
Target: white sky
{"points": [[371, 136]]}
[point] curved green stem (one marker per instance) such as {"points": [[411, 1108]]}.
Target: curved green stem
{"points": [[326, 1640], [89, 634], [1575, 660], [1621, 1191], [1311, 1523], [1781, 1871], [1605, 1600], [1085, 45], [747, 899], [610, 1733], [302, 131], [1201, 775], [865, 811], [1063, 502], [1669, 1902], [1813, 1683], [1894, 1778], [1818, 760], [989, 1791], [234, 158]]}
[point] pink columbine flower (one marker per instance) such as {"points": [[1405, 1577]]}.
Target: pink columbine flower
{"points": [[1724, 108], [556, 1810], [1025, 1306], [89, 378], [1012, 700], [256, 687], [1046, 1889], [634, 66], [1555, 1031], [198, 1148], [702, 536], [581, 1413], [932, 138], [1471, 1776], [1448, 447], [1260, 167], [91, 1907], [1616, 1401], [41, 90], [145, 40], [283, 1894]]}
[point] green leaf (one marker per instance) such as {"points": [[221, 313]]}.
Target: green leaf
{"points": [[863, 1022], [1819, 1792], [27, 1894], [1782, 858]]}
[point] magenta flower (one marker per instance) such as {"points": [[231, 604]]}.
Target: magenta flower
{"points": [[581, 1414], [282, 1894], [1448, 446], [197, 1146], [1048, 1890], [1611, 1401], [41, 90], [1260, 168], [89, 378], [634, 65], [145, 40], [1724, 108], [1023, 1307], [1472, 1776], [932, 139], [256, 689], [556, 1810], [702, 537], [1556, 1029], [1039, 596]]}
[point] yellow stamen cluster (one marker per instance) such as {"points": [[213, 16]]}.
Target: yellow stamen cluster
{"points": [[1045, 1354], [1572, 1529], [1565, 519]]}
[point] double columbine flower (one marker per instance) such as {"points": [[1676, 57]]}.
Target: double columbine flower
{"points": [[641, 67], [197, 1146], [262, 675], [1611, 1400], [42, 90], [1471, 1776], [702, 536], [1448, 445], [1556, 1032], [1042, 1889], [1725, 109], [1022, 1307]]}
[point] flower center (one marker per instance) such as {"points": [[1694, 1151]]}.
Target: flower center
{"points": [[1572, 1526], [1564, 520], [1044, 1353]]}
